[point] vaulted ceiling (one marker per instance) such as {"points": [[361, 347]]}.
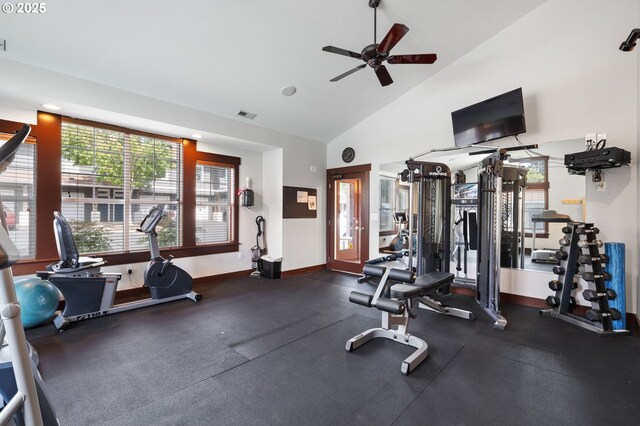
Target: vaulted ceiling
{"points": [[222, 56]]}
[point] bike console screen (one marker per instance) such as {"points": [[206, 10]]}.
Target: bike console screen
{"points": [[151, 219]]}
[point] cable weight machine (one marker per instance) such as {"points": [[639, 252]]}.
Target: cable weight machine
{"points": [[501, 228], [429, 216]]}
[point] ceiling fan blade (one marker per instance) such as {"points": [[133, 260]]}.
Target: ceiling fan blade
{"points": [[426, 58], [344, 52], [392, 38], [383, 75], [351, 71]]}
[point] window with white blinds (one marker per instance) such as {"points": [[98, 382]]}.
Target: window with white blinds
{"points": [[215, 203], [17, 188], [110, 180]]}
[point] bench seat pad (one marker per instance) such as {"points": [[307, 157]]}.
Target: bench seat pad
{"points": [[433, 280], [406, 291]]}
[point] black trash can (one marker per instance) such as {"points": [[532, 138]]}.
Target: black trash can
{"points": [[271, 267]]}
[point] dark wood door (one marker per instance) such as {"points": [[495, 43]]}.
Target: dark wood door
{"points": [[348, 218]]}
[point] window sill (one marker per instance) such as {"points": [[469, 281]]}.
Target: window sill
{"points": [[31, 266], [538, 235]]}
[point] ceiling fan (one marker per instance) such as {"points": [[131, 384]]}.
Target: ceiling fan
{"points": [[377, 53]]}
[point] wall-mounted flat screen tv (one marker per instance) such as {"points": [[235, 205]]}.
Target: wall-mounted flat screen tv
{"points": [[491, 119]]}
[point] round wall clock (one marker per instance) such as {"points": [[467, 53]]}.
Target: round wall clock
{"points": [[348, 154]]}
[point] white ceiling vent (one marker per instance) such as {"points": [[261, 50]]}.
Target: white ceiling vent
{"points": [[246, 114]]}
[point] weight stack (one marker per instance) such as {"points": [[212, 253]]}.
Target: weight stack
{"points": [[615, 267]]}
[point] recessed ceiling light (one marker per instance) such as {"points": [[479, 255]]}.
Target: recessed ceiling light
{"points": [[196, 136], [51, 106], [289, 90]]}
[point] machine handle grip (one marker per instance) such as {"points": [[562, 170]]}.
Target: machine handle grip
{"points": [[165, 264]]}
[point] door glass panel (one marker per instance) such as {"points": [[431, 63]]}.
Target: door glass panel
{"points": [[347, 219]]}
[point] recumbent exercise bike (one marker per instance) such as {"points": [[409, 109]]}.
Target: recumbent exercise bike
{"points": [[90, 293]]}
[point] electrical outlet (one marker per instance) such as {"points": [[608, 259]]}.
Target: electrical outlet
{"points": [[129, 269]]}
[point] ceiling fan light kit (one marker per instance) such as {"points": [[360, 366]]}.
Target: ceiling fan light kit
{"points": [[376, 54]]}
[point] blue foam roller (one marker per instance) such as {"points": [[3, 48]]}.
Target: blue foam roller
{"points": [[615, 267]]}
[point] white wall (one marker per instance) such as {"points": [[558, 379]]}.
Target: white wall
{"points": [[272, 200], [565, 56], [304, 240]]}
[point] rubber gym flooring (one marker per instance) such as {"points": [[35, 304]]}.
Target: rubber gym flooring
{"points": [[271, 352]]}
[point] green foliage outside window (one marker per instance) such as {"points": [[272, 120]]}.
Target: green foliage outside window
{"points": [[104, 150], [90, 237], [536, 171]]}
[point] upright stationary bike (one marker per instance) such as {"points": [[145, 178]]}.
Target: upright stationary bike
{"points": [[163, 278]]}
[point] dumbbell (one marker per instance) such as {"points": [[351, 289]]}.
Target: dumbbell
{"points": [[556, 285], [585, 243], [582, 231], [590, 276], [585, 259], [553, 301], [596, 315], [592, 295], [560, 270], [564, 241], [561, 255], [567, 230]]}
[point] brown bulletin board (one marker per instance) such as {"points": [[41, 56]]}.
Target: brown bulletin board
{"points": [[298, 203]]}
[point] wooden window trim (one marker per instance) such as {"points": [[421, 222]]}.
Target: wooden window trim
{"points": [[49, 145], [7, 126], [222, 161]]}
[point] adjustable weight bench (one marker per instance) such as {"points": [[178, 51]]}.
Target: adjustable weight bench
{"points": [[395, 301], [430, 283], [395, 313]]}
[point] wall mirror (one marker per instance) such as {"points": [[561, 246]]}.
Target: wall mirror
{"points": [[549, 187]]}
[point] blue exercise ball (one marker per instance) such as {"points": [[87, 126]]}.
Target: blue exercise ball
{"points": [[38, 300]]}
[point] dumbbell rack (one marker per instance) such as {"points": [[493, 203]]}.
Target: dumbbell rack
{"points": [[600, 317]]}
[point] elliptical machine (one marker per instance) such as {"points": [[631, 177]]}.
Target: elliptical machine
{"points": [[90, 293]]}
